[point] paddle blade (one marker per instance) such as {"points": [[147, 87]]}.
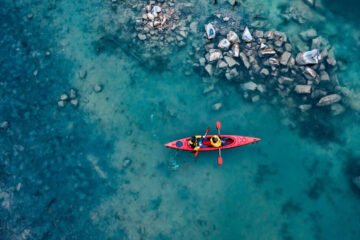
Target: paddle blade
{"points": [[207, 130], [218, 125], [196, 153], [220, 161]]}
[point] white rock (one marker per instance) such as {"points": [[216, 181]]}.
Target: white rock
{"points": [[74, 102], [249, 86], [305, 107], [328, 100], [232, 37], [64, 97], [245, 60], [72, 93], [246, 36], [156, 9], [141, 36], [310, 73], [303, 89], [98, 88], [309, 57], [217, 106], [222, 64], [236, 50], [230, 61], [210, 31], [214, 55], [4, 125], [61, 103], [209, 69], [224, 44]]}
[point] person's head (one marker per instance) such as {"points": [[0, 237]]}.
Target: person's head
{"points": [[214, 139]]}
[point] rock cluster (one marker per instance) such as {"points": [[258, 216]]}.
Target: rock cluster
{"points": [[160, 24], [263, 63], [70, 97]]}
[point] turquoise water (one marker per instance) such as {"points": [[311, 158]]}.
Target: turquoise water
{"points": [[65, 171]]}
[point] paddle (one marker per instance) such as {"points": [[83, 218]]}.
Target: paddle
{"points": [[201, 140], [220, 160]]}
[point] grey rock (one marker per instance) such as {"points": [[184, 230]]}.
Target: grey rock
{"points": [[324, 76], [141, 36], [222, 64], [310, 73], [331, 61], [64, 97], [261, 88], [214, 55], [126, 163], [230, 61], [303, 89], [72, 93], [208, 89], [259, 34], [245, 60], [209, 69], [194, 27], [267, 52], [285, 80], [273, 61], [249, 86], [269, 35], [74, 102], [337, 109], [82, 73], [284, 59], [4, 125], [328, 100], [308, 34], [288, 47], [210, 31], [231, 74], [233, 2], [217, 106], [202, 61], [255, 98], [97, 88], [246, 36], [224, 44], [309, 57], [61, 103], [264, 72], [232, 37], [236, 50], [305, 107]]}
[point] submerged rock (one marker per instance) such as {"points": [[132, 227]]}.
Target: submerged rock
{"points": [[4, 125], [249, 86], [214, 55], [209, 69], [245, 60], [308, 34], [337, 109], [328, 100], [210, 31], [285, 58], [98, 88], [217, 106], [246, 36], [230, 61], [303, 89], [309, 57]]}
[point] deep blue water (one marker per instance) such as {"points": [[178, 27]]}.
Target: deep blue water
{"points": [[99, 170]]}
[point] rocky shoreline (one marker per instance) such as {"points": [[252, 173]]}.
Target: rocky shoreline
{"points": [[265, 64]]}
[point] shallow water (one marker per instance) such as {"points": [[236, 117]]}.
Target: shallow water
{"points": [[62, 170]]}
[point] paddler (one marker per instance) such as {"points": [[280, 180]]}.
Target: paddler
{"points": [[215, 141], [194, 142]]}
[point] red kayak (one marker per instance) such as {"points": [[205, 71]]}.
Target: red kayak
{"points": [[228, 141], [204, 144]]}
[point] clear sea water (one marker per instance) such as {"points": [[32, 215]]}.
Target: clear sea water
{"points": [[63, 171]]}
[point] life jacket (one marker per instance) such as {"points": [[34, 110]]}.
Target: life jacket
{"points": [[217, 142], [194, 141]]}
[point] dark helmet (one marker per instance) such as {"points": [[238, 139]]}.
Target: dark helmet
{"points": [[215, 139]]}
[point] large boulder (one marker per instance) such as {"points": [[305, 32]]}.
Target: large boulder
{"points": [[328, 100], [309, 57], [214, 55]]}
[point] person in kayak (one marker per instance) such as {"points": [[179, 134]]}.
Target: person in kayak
{"points": [[194, 142], [215, 141]]}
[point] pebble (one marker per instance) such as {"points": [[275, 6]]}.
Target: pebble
{"points": [[72, 93], [61, 103], [142, 37], [126, 163], [98, 88], [82, 73], [74, 102], [4, 125], [217, 106], [64, 97]]}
